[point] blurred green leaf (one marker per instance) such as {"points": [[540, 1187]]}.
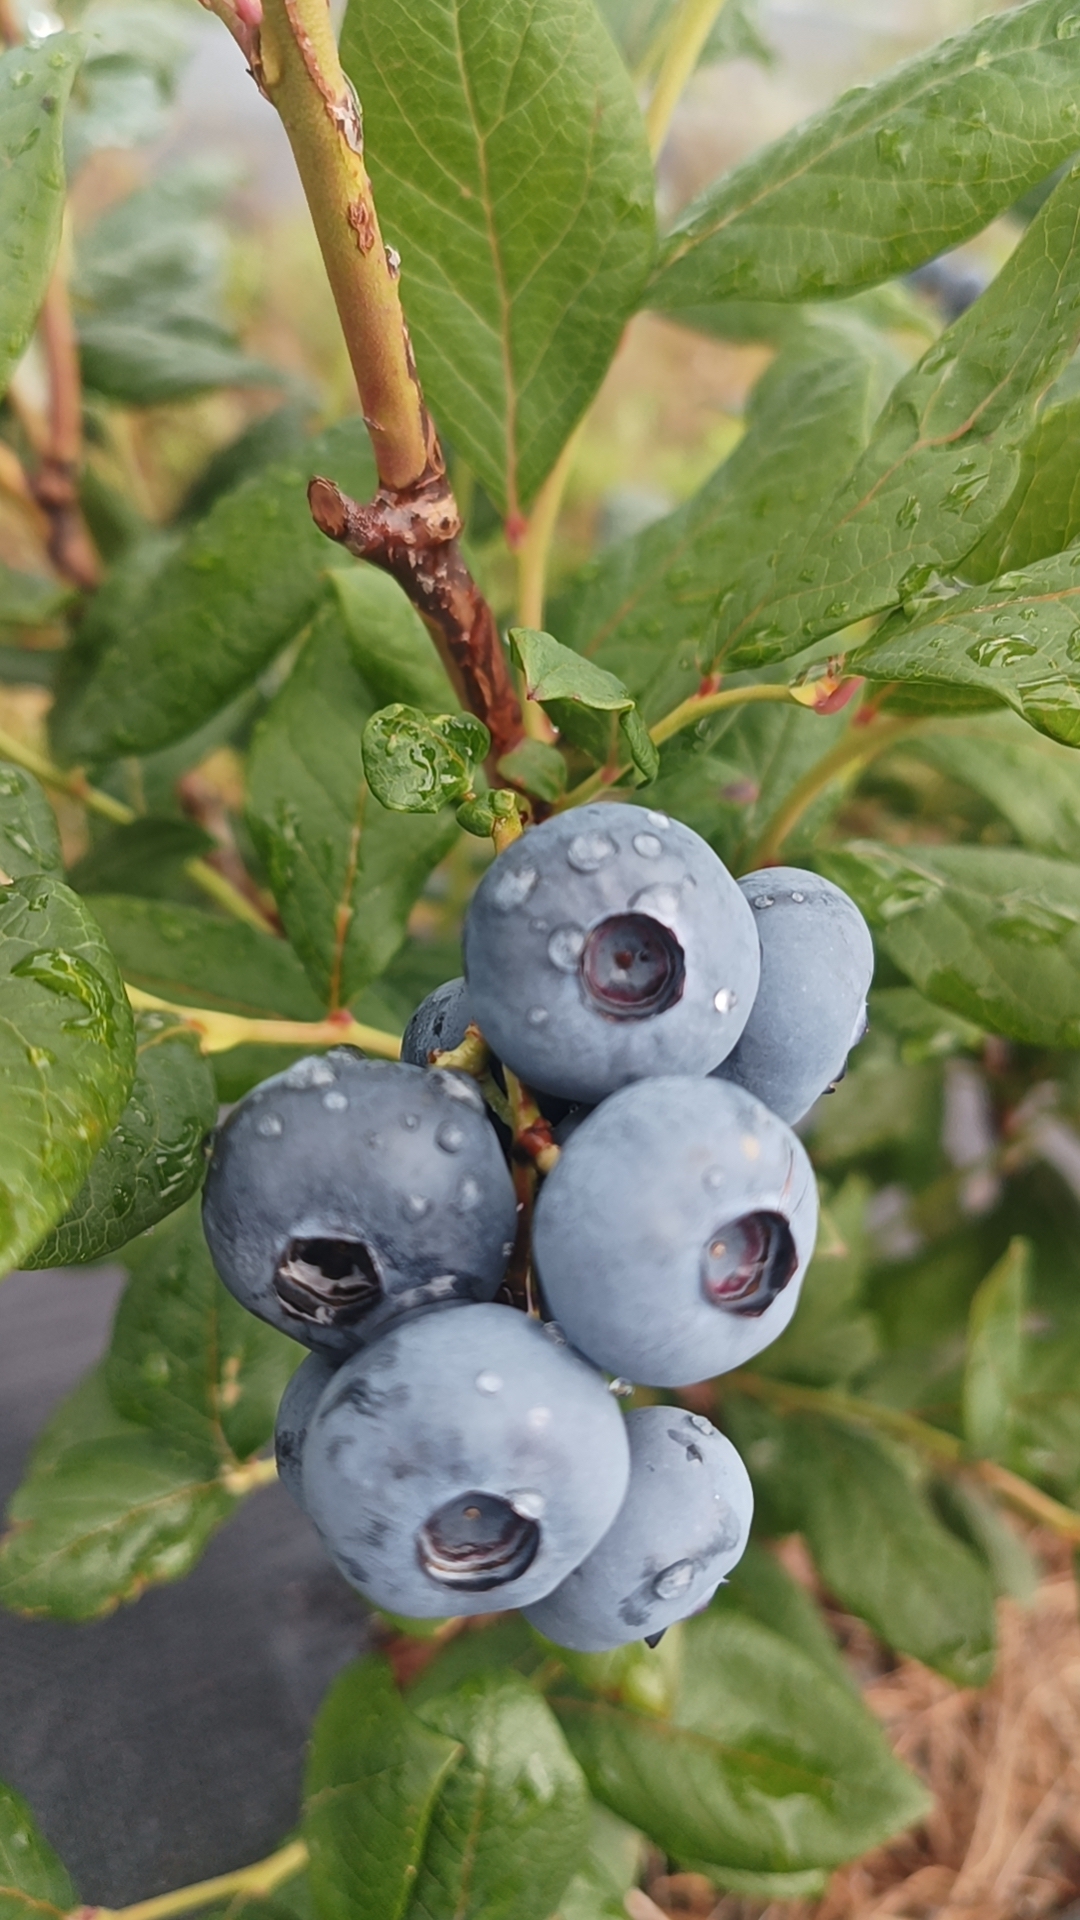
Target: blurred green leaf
{"points": [[345, 872], [29, 836], [67, 1055], [419, 763], [537, 767], [153, 1160], [511, 1822], [28, 601], [35, 83], [147, 859], [890, 174], [991, 932], [943, 458], [162, 651], [612, 1864], [1030, 780], [524, 216], [639, 26], [389, 642], [589, 705], [923, 1031], [180, 953], [759, 1589], [34, 1881], [995, 1353], [374, 1775], [129, 76], [975, 1519], [1042, 514], [764, 1765]]}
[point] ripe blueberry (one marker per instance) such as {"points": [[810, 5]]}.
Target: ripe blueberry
{"points": [[672, 1236], [438, 1024], [606, 945], [817, 961], [298, 1403], [463, 1463], [682, 1527], [345, 1191]]}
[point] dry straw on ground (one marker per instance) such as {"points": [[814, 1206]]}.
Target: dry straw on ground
{"points": [[1003, 1840]]}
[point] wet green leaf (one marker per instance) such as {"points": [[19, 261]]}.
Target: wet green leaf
{"points": [[35, 83], [29, 836], [419, 763], [180, 953], [889, 175], [67, 1055], [589, 705], [153, 1160], [33, 1883], [1042, 514], [524, 216]]}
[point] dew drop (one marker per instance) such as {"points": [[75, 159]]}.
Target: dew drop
{"points": [[565, 948], [512, 888], [468, 1195], [415, 1205], [762, 901], [540, 1417], [459, 1086], [674, 1581], [271, 1126], [488, 1382], [335, 1102], [588, 851], [450, 1137], [714, 1178], [649, 847], [537, 1017], [661, 901], [798, 898], [312, 1072], [622, 1389], [527, 1501], [699, 1423], [658, 820], [724, 1000], [410, 1122]]}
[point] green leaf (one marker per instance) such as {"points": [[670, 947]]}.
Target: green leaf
{"points": [[511, 1823], [182, 954], [344, 871], [110, 1515], [642, 609], [922, 1031], [764, 1765], [942, 460], [153, 1160], [147, 858], [991, 932], [1042, 514], [29, 836], [128, 78], [876, 1541], [587, 703], [158, 657], [389, 642], [524, 216], [976, 1520], [374, 1774], [35, 83], [33, 1883], [759, 1589], [1016, 642], [537, 767], [28, 601], [889, 175], [993, 1371], [419, 763], [1029, 780], [186, 1360], [67, 1056], [612, 1864]]}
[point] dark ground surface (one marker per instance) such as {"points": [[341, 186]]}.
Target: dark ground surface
{"points": [[165, 1744]]}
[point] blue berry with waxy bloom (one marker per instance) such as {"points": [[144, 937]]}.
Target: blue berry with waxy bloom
{"points": [[817, 962], [298, 1403], [607, 945], [345, 1191], [438, 1025], [683, 1525], [463, 1463], [672, 1236]]}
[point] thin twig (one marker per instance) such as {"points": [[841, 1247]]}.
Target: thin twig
{"points": [[685, 45], [688, 713], [220, 1032], [854, 751], [56, 482], [259, 1880]]}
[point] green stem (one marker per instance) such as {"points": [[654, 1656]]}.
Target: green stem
{"points": [[74, 783], [855, 750], [219, 1032], [944, 1448], [685, 44], [261, 1879], [227, 896], [698, 707]]}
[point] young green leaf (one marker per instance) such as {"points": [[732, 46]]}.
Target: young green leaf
{"points": [[185, 1360], [642, 608], [419, 763], [29, 836], [524, 215], [994, 1368], [159, 654], [33, 1883], [35, 83], [67, 1055], [890, 174], [587, 703], [510, 1825], [344, 871], [181, 953], [942, 460], [153, 1160], [765, 1764], [1015, 642], [991, 932], [374, 1774]]}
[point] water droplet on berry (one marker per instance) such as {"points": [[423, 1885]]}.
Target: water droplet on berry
{"points": [[468, 1195], [649, 847], [798, 898], [540, 1417], [564, 948], [271, 1126], [714, 1178], [335, 1102], [488, 1383], [450, 1137], [658, 820], [528, 1502], [674, 1581], [724, 1000], [622, 1389], [512, 888], [537, 1016], [699, 1423], [763, 900], [416, 1205], [588, 851], [313, 1072], [459, 1086], [410, 1122]]}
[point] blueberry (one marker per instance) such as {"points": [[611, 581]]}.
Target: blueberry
{"points": [[606, 945], [346, 1190], [463, 1463], [671, 1238], [817, 961], [438, 1024], [298, 1403], [682, 1527]]}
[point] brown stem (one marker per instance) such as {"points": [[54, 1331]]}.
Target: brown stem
{"points": [[56, 482], [10, 31], [411, 528]]}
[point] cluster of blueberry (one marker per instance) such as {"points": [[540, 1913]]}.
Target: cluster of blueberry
{"points": [[455, 1455]]}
